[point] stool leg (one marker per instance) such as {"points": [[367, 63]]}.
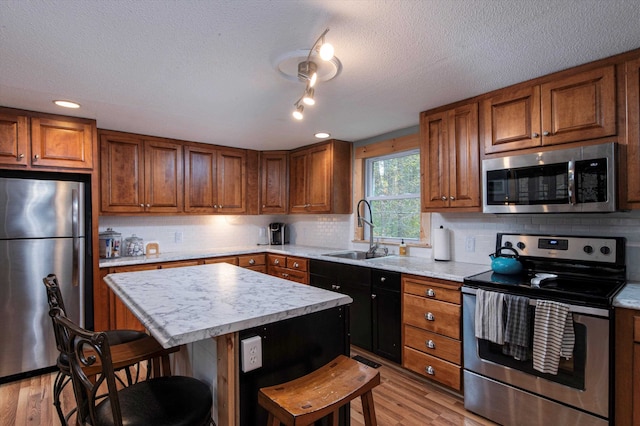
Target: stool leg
{"points": [[58, 385], [272, 421], [334, 418], [368, 409]]}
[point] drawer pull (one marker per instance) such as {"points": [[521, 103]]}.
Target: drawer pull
{"points": [[296, 265], [285, 275], [335, 287], [252, 262], [276, 262], [430, 371], [430, 344], [383, 279], [429, 316], [431, 293]]}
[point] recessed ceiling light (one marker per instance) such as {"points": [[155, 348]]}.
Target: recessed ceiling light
{"points": [[67, 104], [322, 135]]}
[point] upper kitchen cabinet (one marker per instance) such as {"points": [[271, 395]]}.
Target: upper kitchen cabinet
{"points": [[139, 175], [450, 164], [215, 180], [630, 169], [579, 107], [47, 142], [274, 189], [320, 178]]}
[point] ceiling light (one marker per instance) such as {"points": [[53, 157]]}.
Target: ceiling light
{"points": [[67, 104], [322, 135], [326, 51], [308, 96], [297, 113]]}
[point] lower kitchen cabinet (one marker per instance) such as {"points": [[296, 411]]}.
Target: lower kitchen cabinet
{"points": [[627, 367], [288, 267], [255, 262], [432, 329], [386, 314]]}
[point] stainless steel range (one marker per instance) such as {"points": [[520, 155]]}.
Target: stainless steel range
{"points": [[538, 344]]}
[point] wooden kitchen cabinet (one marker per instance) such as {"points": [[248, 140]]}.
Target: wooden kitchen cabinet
{"points": [[274, 188], [450, 160], [45, 142], [630, 163], [570, 109], [140, 175], [215, 179], [291, 268], [255, 262], [431, 335], [320, 178]]}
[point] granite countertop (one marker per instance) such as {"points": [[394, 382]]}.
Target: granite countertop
{"points": [[214, 300], [453, 271], [628, 297]]}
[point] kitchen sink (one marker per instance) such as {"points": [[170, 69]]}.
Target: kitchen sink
{"points": [[351, 254]]}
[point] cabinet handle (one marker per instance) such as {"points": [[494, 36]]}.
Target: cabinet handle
{"points": [[430, 371], [221, 206], [535, 135], [430, 344], [252, 262], [373, 296], [430, 293], [452, 198], [276, 262], [444, 198], [148, 205], [264, 206], [20, 156], [36, 157], [296, 265], [545, 133], [429, 316], [285, 274], [383, 279], [142, 205], [335, 287]]}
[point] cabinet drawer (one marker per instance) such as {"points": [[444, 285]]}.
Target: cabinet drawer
{"points": [[290, 274], [180, 264], [432, 289], [298, 263], [226, 259], [434, 368], [433, 344], [259, 268], [276, 260], [251, 260], [432, 315]]}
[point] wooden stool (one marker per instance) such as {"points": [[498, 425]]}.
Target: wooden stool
{"points": [[302, 401]]}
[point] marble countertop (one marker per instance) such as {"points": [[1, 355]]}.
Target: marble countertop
{"points": [[184, 305], [453, 271], [628, 297]]}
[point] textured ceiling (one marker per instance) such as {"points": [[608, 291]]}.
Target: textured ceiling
{"points": [[204, 70]]}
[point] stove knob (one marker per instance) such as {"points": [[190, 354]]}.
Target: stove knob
{"points": [[588, 249], [521, 245], [605, 250], [508, 244]]}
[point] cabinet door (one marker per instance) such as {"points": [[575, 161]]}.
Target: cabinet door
{"points": [[61, 143], [121, 174], [274, 191], [319, 179], [232, 183], [579, 107], [512, 120], [200, 184], [464, 160], [14, 140], [298, 178], [435, 161], [121, 316], [632, 177], [163, 177], [386, 315]]}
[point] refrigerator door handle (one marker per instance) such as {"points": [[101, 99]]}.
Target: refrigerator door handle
{"points": [[75, 279]]}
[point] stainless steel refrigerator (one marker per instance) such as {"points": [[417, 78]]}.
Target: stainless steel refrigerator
{"points": [[42, 231]]}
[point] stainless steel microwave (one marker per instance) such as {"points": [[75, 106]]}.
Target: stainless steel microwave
{"points": [[571, 180]]}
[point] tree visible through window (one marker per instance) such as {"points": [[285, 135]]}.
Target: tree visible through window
{"points": [[393, 189]]}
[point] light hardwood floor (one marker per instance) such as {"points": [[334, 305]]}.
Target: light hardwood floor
{"points": [[403, 398]]}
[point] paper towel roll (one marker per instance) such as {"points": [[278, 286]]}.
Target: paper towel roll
{"points": [[441, 244]]}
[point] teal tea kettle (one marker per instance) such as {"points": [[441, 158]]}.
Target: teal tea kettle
{"points": [[505, 263]]}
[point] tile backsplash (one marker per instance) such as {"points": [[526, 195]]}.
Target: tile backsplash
{"points": [[336, 231]]}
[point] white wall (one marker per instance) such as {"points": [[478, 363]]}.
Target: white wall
{"points": [[336, 231]]}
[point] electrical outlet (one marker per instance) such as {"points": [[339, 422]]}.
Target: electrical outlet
{"points": [[470, 244], [251, 353], [178, 237]]}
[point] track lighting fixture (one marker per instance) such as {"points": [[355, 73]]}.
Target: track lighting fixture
{"points": [[308, 72]]}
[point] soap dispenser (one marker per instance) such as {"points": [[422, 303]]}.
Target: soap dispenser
{"points": [[402, 251]]}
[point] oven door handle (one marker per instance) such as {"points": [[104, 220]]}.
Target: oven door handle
{"points": [[587, 310], [571, 177]]}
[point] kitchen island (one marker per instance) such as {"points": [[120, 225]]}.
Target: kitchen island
{"points": [[210, 308]]}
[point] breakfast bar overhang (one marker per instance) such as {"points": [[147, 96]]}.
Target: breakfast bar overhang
{"points": [[211, 308]]}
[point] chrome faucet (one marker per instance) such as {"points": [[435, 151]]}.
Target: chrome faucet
{"points": [[361, 221]]}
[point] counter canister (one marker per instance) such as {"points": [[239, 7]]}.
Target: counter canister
{"points": [[133, 246], [110, 243]]}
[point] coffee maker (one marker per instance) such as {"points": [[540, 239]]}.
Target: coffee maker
{"points": [[278, 233]]}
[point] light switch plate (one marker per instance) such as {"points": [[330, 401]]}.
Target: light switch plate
{"points": [[251, 353]]}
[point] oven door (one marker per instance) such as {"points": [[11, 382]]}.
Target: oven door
{"points": [[582, 383]]}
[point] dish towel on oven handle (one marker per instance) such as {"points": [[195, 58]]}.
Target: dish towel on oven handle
{"points": [[553, 335], [516, 327], [488, 318]]}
